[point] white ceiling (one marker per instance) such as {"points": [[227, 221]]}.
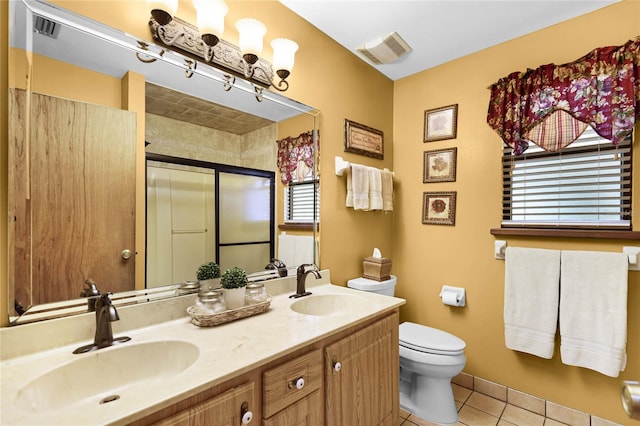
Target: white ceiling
{"points": [[438, 31]]}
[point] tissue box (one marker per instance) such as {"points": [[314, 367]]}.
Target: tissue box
{"points": [[377, 268]]}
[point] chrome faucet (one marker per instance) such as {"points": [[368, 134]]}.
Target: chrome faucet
{"points": [[301, 279], [106, 313]]}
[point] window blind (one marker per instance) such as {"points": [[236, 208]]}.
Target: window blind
{"points": [[586, 185], [301, 201]]}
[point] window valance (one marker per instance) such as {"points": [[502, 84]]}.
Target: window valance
{"points": [[551, 105], [295, 155]]}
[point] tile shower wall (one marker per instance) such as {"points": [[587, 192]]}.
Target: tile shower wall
{"points": [[523, 403]]}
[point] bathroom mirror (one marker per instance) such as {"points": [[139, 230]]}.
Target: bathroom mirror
{"points": [[64, 39]]}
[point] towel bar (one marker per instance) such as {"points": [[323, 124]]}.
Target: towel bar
{"points": [[342, 166], [633, 253]]}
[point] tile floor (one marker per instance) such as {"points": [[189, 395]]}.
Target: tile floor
{"points": [[478, 409]]}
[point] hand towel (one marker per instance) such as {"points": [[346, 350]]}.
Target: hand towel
{"points": [[375, 189], [387, 190], [360, 185], [531, 296], [593, 310], [349, 200]]}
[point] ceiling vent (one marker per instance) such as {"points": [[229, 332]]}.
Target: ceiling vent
{"points": [[385, 50], [46, 27]]}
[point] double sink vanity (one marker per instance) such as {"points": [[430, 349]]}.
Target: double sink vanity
{"points": [[327, 358]]}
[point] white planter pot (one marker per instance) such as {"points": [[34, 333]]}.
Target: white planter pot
{"points": [[234, 297]]}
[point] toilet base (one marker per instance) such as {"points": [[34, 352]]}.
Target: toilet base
{"points": [[434, 403]]}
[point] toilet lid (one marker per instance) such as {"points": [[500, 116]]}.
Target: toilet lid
{"points": [[430, 340]]}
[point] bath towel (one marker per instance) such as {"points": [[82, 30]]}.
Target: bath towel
{"points": [[387, 190], [375, 189], [531, 296], [360, 186], [593, 310]]}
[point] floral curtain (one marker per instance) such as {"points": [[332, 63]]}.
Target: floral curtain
{"points": [[295, 155], [552, 105]]}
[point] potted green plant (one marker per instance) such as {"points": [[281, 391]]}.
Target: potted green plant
{"points": [[208, 274], [234, 280]]}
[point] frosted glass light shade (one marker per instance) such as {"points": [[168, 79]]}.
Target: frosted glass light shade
{"points": [[163, 11], [251, 33], [284, 51], [210, 19]]}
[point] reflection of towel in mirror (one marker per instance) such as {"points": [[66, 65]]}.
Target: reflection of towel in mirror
{"points": [[387, 190], [593, 310], [360, 186], [375, 189]]}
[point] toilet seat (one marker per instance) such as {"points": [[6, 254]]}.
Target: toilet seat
{"points": [[430, 340]]}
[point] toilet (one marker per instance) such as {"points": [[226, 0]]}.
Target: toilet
{"points": [[429, 359]]}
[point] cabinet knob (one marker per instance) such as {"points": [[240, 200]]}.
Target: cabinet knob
{"points": [[245, 413], [300, 383], [337, 366]]}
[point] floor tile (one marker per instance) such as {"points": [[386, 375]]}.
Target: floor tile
{"points": [[551, 422], [473, 417], [486, 403], [521, 417], [567, 415], [526, 401], [460, 393], [489, 388]]}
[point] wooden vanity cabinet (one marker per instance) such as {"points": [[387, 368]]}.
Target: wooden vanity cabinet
{"points": [[361, 382], [292, 392], [228, 408], [349, 378]]}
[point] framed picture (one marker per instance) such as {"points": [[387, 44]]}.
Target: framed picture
{"points": [[440, 165], [363, 140], [439, 208], [441, 123]]}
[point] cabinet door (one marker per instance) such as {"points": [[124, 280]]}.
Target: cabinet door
{"points": [[306, 412], [364, 390], [225, 409]]}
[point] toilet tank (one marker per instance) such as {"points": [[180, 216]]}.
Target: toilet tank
{"points": [[386, 287]]}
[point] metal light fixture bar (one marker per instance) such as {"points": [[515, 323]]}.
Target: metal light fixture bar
{"points": [[184, 37]]}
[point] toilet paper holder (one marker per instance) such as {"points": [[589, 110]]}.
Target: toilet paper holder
{"points": [[458, 292]]}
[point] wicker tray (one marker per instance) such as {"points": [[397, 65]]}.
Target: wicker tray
{"points": [[210, 320]]}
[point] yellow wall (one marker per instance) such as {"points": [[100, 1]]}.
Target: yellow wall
{"points": [[426, 257]]}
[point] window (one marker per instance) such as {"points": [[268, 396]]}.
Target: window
{"points": [[302, 200], [587, 185]]}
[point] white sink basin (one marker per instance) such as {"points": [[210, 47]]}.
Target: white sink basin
{"points": [[100, 375], [325, 304]]}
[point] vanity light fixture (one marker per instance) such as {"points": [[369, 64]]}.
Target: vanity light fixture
{"points": [[204, 43]]}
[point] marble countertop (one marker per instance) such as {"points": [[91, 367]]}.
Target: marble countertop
{"points": [[225, 351]]}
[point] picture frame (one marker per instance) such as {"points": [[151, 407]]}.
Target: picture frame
{"points": [[363, 140], [440, 165], [441, 123], [439, 208]]}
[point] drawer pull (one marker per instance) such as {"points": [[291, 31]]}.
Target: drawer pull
{"points": [[337, 366], [297, 383], [246, 415]]}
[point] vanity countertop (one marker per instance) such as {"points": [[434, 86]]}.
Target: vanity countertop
{"points": [[226, 351]]}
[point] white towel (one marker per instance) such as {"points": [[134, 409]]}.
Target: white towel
{"points": [[375, 189], [349, 200], [593, 310], [387, 190], [360, 186], [531, 296]]}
